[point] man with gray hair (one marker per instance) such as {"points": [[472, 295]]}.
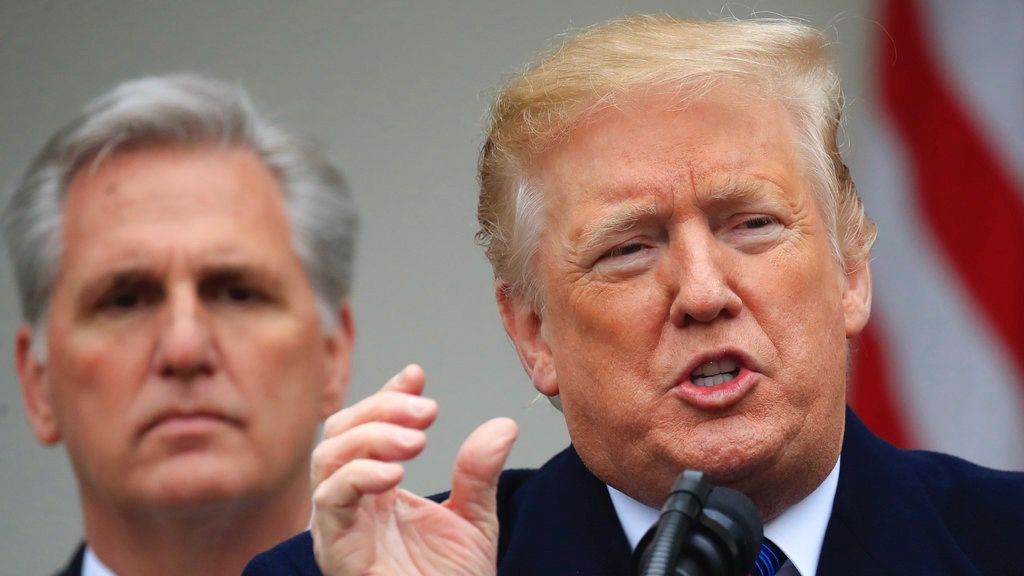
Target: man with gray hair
{"points": [[681, 258], [184, 269]]}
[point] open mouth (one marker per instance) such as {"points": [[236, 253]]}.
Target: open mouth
{"points": [[716, 372]]}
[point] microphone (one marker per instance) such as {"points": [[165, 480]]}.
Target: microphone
{"points": [[703, 531]]}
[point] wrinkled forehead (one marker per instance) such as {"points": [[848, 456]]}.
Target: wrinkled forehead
{"points": [[649, 140], [552, 121]]}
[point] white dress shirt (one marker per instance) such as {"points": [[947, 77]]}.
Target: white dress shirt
{"points": [[799, 531], [93, 566]]}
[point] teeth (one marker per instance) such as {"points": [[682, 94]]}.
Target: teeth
{"points": [[712, 380], [717, 367], [715, 372], [729, 364], [707, 369]]}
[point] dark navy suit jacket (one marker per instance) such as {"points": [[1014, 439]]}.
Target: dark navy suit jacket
{"points": [[74, 566], [896, 512]]}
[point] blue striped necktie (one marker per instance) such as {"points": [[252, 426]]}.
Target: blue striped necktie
{"points": [[769, 559]]}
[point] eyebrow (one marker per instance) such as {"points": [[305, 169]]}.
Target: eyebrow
{"points": [[211, 272], [251, 272], [94, 287], [122, 277], [625, 218], [735, 189]]}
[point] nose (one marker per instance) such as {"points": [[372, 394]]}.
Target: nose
{"points": [[185, 346], [700, 282]]}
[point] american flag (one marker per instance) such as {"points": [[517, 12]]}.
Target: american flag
{"points": [[941, 169]]}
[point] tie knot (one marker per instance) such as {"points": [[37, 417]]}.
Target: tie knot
{"points": [[769, 559]]}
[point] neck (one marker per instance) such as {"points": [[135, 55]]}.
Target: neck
{"points": [[215, 540]]}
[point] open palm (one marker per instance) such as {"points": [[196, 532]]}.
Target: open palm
{"points": [[364, 523]]}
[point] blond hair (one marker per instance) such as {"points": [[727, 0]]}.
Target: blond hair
{"points": [[601, 66]]}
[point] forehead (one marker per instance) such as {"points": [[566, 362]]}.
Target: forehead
{"points": [[655, 142], [149, 203]]}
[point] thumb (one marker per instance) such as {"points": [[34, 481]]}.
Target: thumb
{"points": [[477, 467]]}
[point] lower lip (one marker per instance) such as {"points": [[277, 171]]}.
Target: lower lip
{"points": [[188, 425], [720, 397]]}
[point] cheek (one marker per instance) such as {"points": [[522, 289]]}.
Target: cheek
{"points": [[603, 359], [282, 381], [99, 370], [619, 315], [604, 347], [96, 384], [280, 360], [804, 321]]}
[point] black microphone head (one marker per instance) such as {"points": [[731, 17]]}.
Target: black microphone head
{"points": [[658, 551], [731, 515], [702, 531]]}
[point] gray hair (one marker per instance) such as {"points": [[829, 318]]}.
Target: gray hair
{"points": [[179, 110]]}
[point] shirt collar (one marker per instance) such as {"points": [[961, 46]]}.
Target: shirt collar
{"points": [[799, 531], [93, 566]]}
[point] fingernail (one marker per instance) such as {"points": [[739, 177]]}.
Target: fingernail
{"points": [[409, 437], [388, 469], [420, 407]]}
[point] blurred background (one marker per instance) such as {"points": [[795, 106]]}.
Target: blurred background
{"points": [[398, 91]]}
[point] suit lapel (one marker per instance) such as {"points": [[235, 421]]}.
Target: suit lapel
{"points": [[561, 523], [882, 520]]}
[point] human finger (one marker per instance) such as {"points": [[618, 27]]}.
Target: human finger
{"points": [[477, 468], [386, 406], [340, 544], [410, 380], [380, 441], [338, 497]]}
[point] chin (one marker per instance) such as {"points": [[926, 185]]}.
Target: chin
{"points": [[197, 494], [731, 459], [191, 487], [735, 472]]}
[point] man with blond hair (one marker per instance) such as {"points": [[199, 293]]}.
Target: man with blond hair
{"points": [[183, 267], [681, 260]]}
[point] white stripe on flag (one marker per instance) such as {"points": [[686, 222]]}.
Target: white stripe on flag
{"points": [[980, 49]]}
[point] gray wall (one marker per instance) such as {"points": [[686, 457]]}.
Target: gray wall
{"points": [[398, 91]]}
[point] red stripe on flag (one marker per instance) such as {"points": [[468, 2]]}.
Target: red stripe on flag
{"points": [[871, 386], [967, 198]]}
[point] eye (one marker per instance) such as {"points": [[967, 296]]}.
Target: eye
{"points": [[757, 222], [232, 293], [753, 226], [624, 250], [627, 259], [127, 299], [121, 301], [753, 232], [240, 294]]}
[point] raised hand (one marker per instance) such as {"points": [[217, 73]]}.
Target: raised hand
{"points": [[363, 523]]}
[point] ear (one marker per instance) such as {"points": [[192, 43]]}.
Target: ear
{"points": [[525, 327], [339, 361], [35, 389], [857, 299]]}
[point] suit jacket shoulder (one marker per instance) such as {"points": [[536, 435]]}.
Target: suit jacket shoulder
{"points": [[559, 521], [74, 566], [916, 512], [293, 556]]}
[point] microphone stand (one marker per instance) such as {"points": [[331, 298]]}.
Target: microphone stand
{"points": [[703, 531]]}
